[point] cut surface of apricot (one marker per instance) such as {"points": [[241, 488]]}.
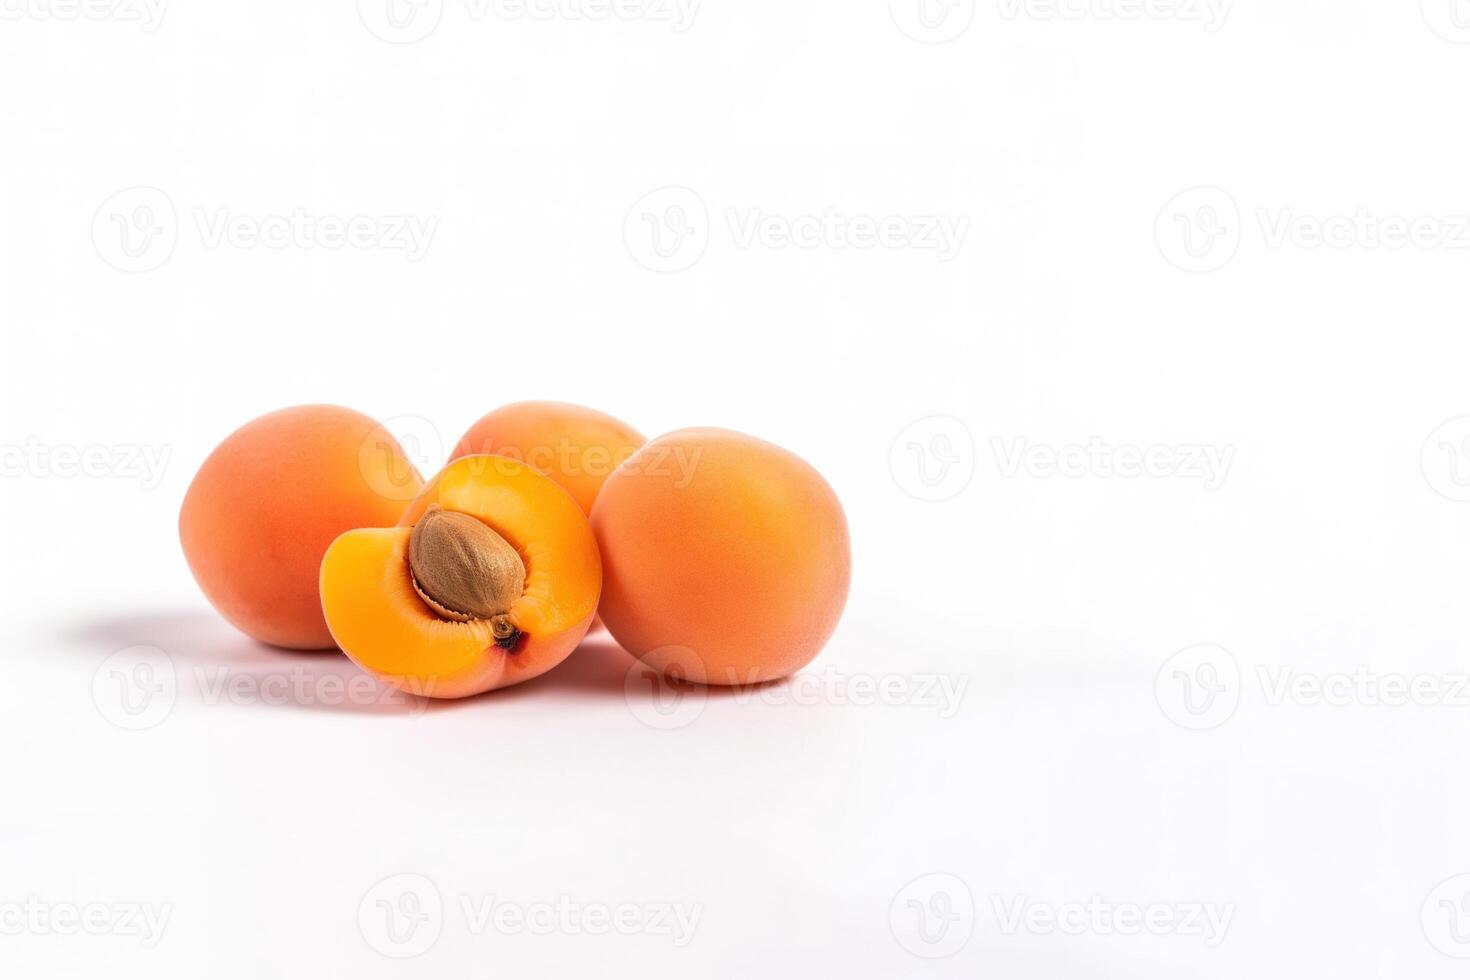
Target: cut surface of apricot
{"points": [[528, 606]]}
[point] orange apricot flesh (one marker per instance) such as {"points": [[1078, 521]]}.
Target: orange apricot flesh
{"points": [[726, 558], [381, 620]]}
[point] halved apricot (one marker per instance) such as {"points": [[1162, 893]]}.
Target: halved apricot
{"points": [[491, 578]]}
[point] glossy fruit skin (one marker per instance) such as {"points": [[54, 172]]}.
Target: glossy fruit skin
{"points": [[385, 626], [268, 501], [726, 559], [578, 447]]}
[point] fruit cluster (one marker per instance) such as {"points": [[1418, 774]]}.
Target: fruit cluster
{"points": [[712, 556]]}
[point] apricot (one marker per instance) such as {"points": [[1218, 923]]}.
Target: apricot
{"points": [[490, 578], [726, 559], [577, 447], [270, 498]]}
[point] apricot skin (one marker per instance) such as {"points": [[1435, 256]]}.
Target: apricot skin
{"points": [[270, 499], [577, 447], [726, 559]]}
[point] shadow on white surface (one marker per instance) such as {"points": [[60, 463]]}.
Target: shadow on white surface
{"points": [[212, 663]]}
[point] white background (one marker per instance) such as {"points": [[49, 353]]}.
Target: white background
{"points": [[1098, 298]]}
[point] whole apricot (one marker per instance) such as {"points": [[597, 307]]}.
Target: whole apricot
{"points": [[725, 558], [268, 501], [577, 447]]}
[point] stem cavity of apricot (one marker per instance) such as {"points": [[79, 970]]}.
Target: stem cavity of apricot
{"points": [[465, 571]]}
